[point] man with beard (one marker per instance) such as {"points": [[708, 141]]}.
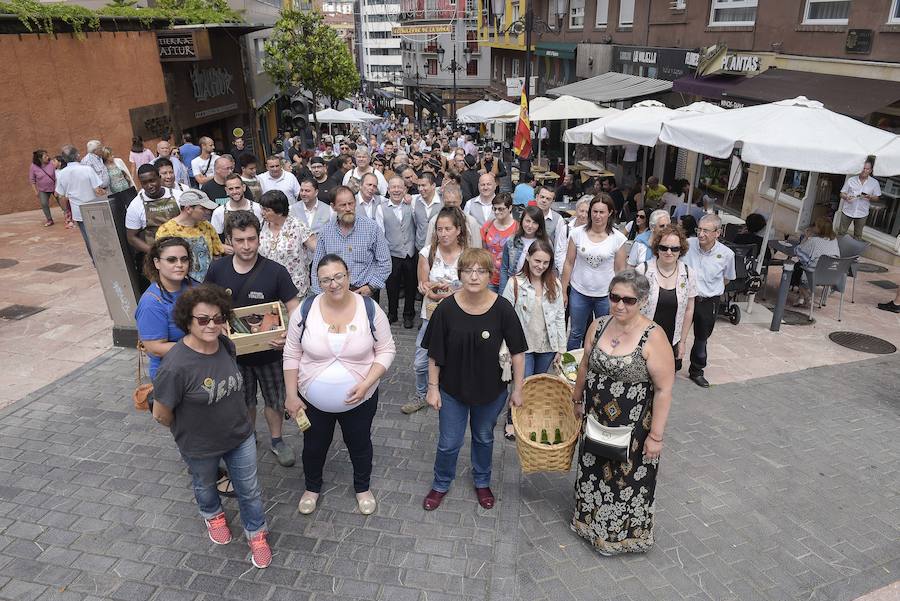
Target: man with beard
{"points": [[238, 200], [359, 242], [215, 188]]}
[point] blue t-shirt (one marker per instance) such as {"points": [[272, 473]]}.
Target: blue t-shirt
{"points": [[523, 194], [154, 319], [189, 152]]}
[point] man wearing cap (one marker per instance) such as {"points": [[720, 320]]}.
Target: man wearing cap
{"points": [[94, 159], [324, 184], [153, 206], [192, 224], [276, 178]]}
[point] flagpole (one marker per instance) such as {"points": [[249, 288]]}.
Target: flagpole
{"points": [[525, 164]]}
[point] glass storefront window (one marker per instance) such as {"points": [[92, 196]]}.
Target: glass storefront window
{"points": [[795, 182], [713, 182]]}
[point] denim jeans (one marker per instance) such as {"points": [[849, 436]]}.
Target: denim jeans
{"points": [[535, 363], [241, 463], [582, 311], [420, 363], [87, 241], [452, 420]]}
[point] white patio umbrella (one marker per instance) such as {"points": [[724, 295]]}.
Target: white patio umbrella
{"points": [[403, 102], [484, 111], [565, 108], [361, 115], [581, 134], [789, 134], [332, 116], [887, 158]]}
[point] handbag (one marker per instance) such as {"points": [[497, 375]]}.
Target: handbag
{"points": [[142, 392], [610, 442]]}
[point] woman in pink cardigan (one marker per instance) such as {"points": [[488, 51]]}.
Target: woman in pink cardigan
{"points": [[332, 367]]}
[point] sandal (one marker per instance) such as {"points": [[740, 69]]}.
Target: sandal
{"points": [[509, 432], [48, 223], [485, 497]]}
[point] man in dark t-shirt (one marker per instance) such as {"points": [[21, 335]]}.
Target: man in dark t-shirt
{"points": [[252, 279], [215, 187]]}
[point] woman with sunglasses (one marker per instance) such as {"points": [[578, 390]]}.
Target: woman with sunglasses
{"points": [[199, 393], [333, 363], [638, 226], [465, 383], [625, 379], [495, 233], [672, 289], [596, 252]]}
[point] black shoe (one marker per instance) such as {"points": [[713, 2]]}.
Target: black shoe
{"points": [[700, 381], [408, 323], [392, 319], [889, 306]]}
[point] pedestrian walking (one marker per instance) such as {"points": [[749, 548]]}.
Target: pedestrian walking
{"points": [[139, 155], [78, 184], [496, 232], [532, 226], [286, 240], [42, 177]]}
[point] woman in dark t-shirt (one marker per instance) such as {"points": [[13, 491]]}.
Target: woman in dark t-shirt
{"points": [[199, 393], [463, 340]]}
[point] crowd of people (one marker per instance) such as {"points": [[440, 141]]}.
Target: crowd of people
{"points": [[435, 222]]}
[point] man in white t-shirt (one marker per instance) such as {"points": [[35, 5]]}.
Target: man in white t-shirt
{"points": [[276, 178], [858, 192], [353, 178], [80, 184], [203, 166], [154, 205], [235, 189]]}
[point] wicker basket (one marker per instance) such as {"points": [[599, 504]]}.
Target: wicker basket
{"points": [[546, 405]]}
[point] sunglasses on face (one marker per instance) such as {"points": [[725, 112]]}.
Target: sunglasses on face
{"points": [[628, 300], [641, 216], [204, 320], [672, 249], [173, 260]]}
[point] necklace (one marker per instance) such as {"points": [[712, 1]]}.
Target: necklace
{"points": [[617, 340], [666, 275]]}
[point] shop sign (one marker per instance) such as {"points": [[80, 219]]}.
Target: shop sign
{"points": [[661, 63], [176, 46], [211, 82], [402, 30], [716, 59], [514, 85], [859, 41], [726, 103]]}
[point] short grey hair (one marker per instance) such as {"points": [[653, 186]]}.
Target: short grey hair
{"points": [[93, 145], [638, 282], [713, 220], [69, 153], [656, 215], [586, 199], [225, 157]]}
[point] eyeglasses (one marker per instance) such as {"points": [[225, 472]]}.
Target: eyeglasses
{"points": [[337, 279], [204, 320], [498, 208], [672, 249], [173, 260], [628, 300], [470, 271], [707, 231]]}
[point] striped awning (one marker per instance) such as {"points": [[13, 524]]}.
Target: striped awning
{"points": [[610, 87]]}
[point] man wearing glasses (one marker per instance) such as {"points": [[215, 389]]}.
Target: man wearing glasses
{"points": [[713, 264]]}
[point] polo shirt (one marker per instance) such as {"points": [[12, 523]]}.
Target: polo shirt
{"points": [[77, 182], [287, 183], [710, 268]]}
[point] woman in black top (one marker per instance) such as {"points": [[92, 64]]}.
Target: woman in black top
{"points": [[463, 340]]}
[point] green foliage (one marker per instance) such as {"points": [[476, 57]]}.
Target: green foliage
{"points": [[304, 52], [40, 18]]}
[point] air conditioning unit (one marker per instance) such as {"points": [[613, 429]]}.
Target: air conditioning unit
{"points": [[677, 4]]}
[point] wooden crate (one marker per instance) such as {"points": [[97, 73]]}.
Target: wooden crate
{"points": [[254, 343]]}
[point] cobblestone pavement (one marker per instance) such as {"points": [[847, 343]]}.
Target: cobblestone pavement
{"points": [[775, 489]]}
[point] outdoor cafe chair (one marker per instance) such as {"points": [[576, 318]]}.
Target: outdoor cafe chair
{"points": [[829, 272], [851, 247]]}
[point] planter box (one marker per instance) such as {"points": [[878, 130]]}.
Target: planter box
{"points": [[254, 343]]}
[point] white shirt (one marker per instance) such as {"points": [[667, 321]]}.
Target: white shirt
{"points": [[544, 132], [382, 183], [631, 152], [77, 182], [218, 217], [595, 262], [287, 183], [478, 204], [711, 268], [856, 205], [560, 239], [198, 165], [136, 216], [372, 209]]}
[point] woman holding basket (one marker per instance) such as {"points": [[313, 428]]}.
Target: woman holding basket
{"points": [[624, 391]]}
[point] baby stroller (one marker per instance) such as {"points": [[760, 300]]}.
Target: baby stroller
{"points": [[747, 280]]}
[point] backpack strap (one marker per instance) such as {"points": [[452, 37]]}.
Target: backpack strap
{"points": [[369, 302], [307, 305], [304, 313]]}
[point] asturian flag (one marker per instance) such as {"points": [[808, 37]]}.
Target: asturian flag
{"points": [[522, 141]]}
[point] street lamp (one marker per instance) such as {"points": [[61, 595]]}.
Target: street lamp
{"points": [[454, 67], [416, 110]]}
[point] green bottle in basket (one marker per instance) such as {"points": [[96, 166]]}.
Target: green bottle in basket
{"points": [[544, 439], [533, 437], [557, 437]]}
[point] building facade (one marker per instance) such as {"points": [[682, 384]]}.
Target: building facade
{"points": [[379, 55]]}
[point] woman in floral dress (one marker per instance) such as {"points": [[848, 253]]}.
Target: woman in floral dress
{"points": [[626, 378], [285, 239]]}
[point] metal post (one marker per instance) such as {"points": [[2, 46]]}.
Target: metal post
{"points": [[453, 68], [783, 289]]}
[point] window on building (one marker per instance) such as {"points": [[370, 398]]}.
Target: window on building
{"points": [[576, 14], [733, 12], [497, 62], [626, 13], [895, 13], [556, 10], [259, 48], [432, 66], [602, 13], [515, 68], [827, 12], [472, 68], [795, 183]]}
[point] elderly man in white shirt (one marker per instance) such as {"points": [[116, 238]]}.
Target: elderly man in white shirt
{"points": [[276, 178], [80, 184], [556, 226], [713, 266], [482, 206], [858, 192]]}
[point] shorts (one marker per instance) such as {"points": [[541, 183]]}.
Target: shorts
{"points": [[270, 378]]}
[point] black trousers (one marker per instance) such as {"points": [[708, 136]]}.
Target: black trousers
{"points": [[705, 312], [403, 273], [356, 428]]}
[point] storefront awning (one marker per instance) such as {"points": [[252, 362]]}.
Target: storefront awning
{"points": [[610, 87], [556, 49], [851, 96], [711, 87]]}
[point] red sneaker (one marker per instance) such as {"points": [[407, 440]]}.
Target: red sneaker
{"points": [[260, 553], [217, 528]]}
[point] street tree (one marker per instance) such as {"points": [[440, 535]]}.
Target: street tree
{"points": [[304, 52]]}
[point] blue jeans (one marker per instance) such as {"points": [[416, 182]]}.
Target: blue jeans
{"points": [[241, 464], [582, 311], [538, 363], [87, 241], [420, 363], [452, 420]]}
